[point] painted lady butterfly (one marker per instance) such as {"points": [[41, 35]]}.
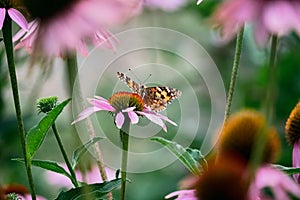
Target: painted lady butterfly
{"points": [[156, 98]]}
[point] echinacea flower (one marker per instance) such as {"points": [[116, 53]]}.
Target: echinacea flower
{"points": [[9, 8], [279, 184], [183, 195], [292, 129], [239, 135], [124, 104], [62, 27], [166, 5], [268, 17]]}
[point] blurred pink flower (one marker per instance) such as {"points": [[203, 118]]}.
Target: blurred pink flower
{"points": [[79, 21], [15, 15], [114, 104], [28, 197], [92, 176], [166, 5], [268, 17], [280, 184], [296, 159], [183, 195]]}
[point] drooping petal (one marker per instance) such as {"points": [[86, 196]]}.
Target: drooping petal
{"points": [[155, 119], [102, 104], [133, 117], [86, 113], [296, 159], [183, 195], [119, 120], [280, 184], [2, 16], [166, 119], [17, 17]]}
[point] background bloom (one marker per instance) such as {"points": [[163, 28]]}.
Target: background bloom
{"points": [[68, 27], [268, 17], [183, 195]]}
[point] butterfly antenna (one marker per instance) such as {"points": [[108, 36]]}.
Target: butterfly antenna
{"points": [[135, 76]]}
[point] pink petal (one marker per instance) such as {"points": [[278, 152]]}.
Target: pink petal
{"points": [[86, 113], [296, 160], [102, 104], [166, 119], [261, 34], [130, 109], [183, 195], [155, 119], [2, 16], [133, 117], [280, 17], [119, 120], [17, 16]]}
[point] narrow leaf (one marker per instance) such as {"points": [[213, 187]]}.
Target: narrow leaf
{"points": [[36, 134], [80, 151], [288, 170], [183, 155], [48, 165], [92, 191]]}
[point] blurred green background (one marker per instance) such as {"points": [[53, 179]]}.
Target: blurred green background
{"points": [[191, 20]]}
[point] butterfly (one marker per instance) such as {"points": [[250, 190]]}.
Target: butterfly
{"points": [[156, 98]]}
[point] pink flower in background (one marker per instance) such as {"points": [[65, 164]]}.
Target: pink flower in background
{"points": [[68, 27], [92, 176], [166, 5], [280, 184], [28, 197], [183, 195], [124, 103], [267, 17], [15, 15]]}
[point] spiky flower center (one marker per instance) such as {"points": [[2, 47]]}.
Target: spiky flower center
{"points": [[45, 9], [123, 100], [45, 105], [292, 126]]}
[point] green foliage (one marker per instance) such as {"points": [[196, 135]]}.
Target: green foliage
{"points": [[36, 134], [92, 191], [81, 150], [186, 156]]}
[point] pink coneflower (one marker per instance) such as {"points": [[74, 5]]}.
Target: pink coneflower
{"points": [[166, 5], [10, 8], [66, 25], [280, 185], [292, 129], [124, 104], [268, 17]]}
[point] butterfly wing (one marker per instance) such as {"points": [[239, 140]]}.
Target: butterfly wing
{"points": [[157, 98], [129, 82]]}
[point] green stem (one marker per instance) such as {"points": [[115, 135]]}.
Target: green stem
{"points": [[260, 143], [65, 156], [234, 73], [7, 37], [72, 69], [124, 135]]}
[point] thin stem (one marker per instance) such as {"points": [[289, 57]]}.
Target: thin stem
{"points": [[260, 143], [72, 67], [65, 156], [234, 73], [124, 135], [7, 37]]}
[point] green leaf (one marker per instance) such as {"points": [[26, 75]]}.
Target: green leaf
{"points": [[197, 155], [183, 155], [288, 170], [36, 134], [48, 165], [80, 151], [92, 191]]}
